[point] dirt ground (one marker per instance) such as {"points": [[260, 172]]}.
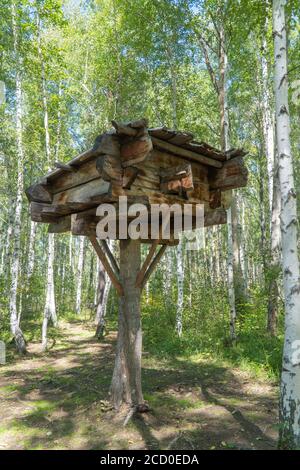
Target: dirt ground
{"points": [[59, 400]]}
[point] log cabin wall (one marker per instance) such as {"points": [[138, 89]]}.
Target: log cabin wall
{"points": [[152, 166]]}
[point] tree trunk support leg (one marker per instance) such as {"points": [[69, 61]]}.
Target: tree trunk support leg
{"points": [[110, 271], [126, 382]]}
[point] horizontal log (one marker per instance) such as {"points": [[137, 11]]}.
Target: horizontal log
{"points": [[37, 214], [62, 226], [185, 153], [76, 162], [38, 193], [82, 193], [85, 173], [175, 173], [234, 174], [65, 167]]}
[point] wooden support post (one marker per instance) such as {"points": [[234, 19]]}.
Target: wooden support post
{"points": [[110, 272], [110, 256], [153, 265], [139, 278], [126, 382]]}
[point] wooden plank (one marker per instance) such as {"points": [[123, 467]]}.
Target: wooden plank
{"points": [[101, 255], [187, 154]]}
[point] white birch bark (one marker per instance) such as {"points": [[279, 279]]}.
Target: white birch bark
{"points": [[79, 275], [14, 325], [180, 280], [275, 261], [31, 253], [225, 146], [268, 126], [50, 307], [230, 277], [290, 378]]}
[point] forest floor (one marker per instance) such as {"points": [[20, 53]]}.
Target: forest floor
{"points": [[59, 400]]}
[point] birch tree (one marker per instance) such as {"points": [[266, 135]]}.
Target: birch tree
{"points": [[79, 276], [50, 305], [14, 324], [290, 377]]}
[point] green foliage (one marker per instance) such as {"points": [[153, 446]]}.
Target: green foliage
{"points": [[205, 331]]}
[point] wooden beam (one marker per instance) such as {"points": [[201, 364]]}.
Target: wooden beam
{"points": [[101, 255], [38, 193], [140, 276], [110, 256], [152, 266], [82, 193], [63, 225], [175, 173], [185, 153], [63, 166], [234, 174]]}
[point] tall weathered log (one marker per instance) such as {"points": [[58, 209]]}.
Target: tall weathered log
{"points": [[126, 382]]}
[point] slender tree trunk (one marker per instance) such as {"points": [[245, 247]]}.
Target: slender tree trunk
{"points": [[50, 307], [126, 382], [79, 276], [14, 325], [30, 262], [225, 145], [180, 278], [274, 268], [268, 126], [290, 379]]}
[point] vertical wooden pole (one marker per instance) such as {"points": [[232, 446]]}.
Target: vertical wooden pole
{"points": [[126, 382]]}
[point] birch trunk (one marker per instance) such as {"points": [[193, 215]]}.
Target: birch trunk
{"points": [[126, 382], [14, 325], [290, 379], [180, 279], [274, 268], [30, 262], [79, 276], [268, 126], [225, 145], [50, 307]]}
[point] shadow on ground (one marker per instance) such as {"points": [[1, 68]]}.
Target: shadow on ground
{"points": [[59, 400]]}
